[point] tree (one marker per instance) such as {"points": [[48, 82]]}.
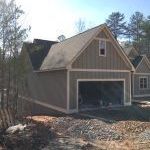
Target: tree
{"points": [[116, 24], [146, 28], [145, 37], [135, 27], [12, 35], [80, 25]]}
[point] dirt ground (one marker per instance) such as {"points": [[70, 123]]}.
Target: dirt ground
{"points": [[118, 129], [130, 134]]}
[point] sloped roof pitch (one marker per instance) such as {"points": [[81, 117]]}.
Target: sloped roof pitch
{"points": [[137, 60], [129, 49], [37, 51], [62, 53]]}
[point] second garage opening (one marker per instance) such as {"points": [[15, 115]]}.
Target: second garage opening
{"points": [[100, 93]]}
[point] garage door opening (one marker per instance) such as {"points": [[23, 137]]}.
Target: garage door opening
{"points": [[100, 93]]}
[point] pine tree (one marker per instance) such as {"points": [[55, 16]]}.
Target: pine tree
{"points": [[116, 24], [145, 38], [135, 27]]}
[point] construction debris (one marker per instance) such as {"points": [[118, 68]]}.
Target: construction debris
{"points": [[28, 137], [145, 136], [90, 129], [128, 128], [16, 128], [70, 132]]}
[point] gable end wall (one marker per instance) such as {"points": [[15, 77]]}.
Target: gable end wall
{"points": [[90, 59]]}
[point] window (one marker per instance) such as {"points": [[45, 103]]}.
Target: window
{"points": [[102, 48], [143, 82]]}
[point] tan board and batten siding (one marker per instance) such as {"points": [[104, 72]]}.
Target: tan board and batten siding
{"points": [[90, 59], [57, 89], [96, 75], [142, 70], [49, 88]]}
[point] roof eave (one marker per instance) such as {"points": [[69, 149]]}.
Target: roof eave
{"points": [[48, 70]]}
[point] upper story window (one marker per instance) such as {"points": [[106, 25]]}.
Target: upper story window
{"points": [[102, 48], [143, 82]]}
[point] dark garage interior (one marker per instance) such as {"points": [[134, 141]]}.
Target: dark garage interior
{"points": [[100, 93]]}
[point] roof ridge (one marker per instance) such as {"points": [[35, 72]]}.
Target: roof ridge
{"points": [[80, 33], [63, 52]]}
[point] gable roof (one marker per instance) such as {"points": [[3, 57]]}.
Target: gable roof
{"points": [[136, 61], [63, 53], [139, 59], [129, 49], [37, 51]]}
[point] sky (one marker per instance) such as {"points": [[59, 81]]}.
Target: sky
{"points": [[50, 18]]}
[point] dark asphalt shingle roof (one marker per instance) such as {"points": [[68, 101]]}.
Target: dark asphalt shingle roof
{"points": [[136, 61], [38, 50]]}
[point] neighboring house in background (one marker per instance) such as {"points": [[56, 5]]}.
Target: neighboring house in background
{"points": [[141, 75], [131, 52], [88, 69]]}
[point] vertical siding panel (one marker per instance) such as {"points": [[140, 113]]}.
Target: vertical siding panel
{"points": [[95, 75], [49, 87], [90, 59]]}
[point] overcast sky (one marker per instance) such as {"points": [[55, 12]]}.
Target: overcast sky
{"points": [[50, 18]]}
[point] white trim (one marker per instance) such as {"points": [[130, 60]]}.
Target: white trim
{"points": [[100, 48], [99, 70], [48, 70], [71, 111], [68, 90], [127, 104], [140, 73], [133, 83], [103, 39], [44, 104], [130, 76], [143, 77], [84, 80], [77, 95], [143, 95], [107, 79], [131, 58]]}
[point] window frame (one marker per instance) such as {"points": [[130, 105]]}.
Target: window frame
{"points": [[102, 40], [143, 88]]}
